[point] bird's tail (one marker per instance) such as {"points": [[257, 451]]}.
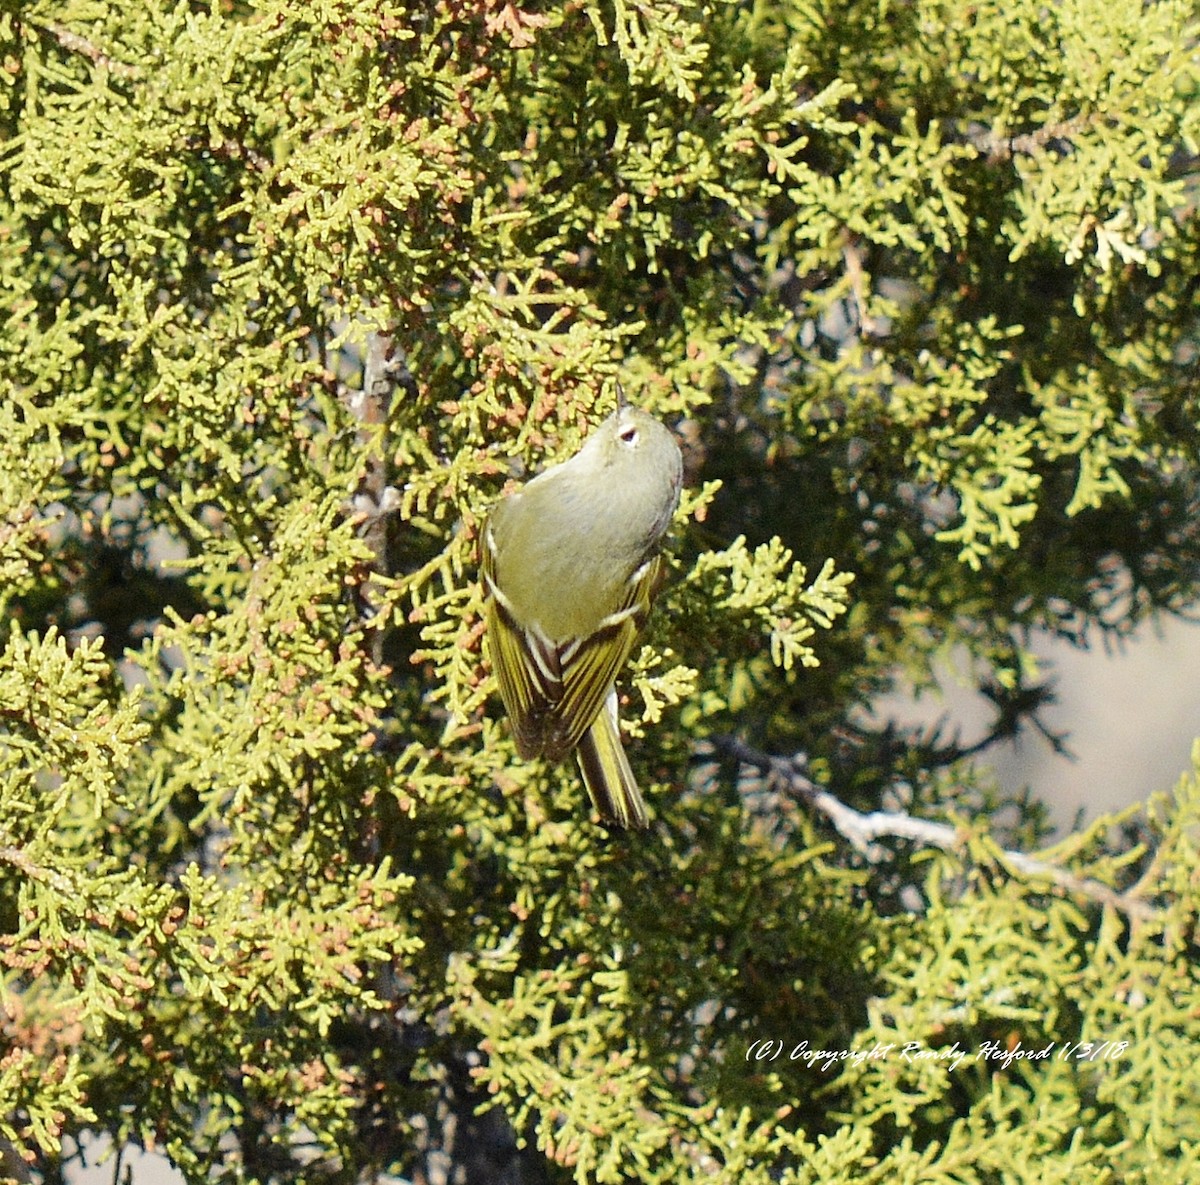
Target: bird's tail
{"points": [[606, 772]]}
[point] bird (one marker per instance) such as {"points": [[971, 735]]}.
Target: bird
{"points": [[570, 565]]}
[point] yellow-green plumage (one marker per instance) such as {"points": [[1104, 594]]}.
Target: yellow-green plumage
{"points": [[570, 564]]}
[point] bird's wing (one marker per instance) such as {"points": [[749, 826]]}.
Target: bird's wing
{"points": [[554, 690], [590, 666]]}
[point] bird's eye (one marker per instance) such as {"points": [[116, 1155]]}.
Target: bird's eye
{"points": [[629, 435]]}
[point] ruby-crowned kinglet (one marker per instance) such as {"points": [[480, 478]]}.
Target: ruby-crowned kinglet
{"points": [[570, 564]]}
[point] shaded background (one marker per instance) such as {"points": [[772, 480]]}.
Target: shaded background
{"points": [[1129, 714]]}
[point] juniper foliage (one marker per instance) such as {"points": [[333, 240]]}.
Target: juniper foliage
{"points": [[292, 291]]}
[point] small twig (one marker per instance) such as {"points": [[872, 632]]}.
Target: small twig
{"points": [[863, 829], [20, 860], [857, 275], [997, 147], [75, 43], [384, 371], [235, 150]]}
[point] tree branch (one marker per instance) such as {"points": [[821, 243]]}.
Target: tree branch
{"points": [[998, 147], [75, 43], [862, 830], [19, 859], [376, 498]]}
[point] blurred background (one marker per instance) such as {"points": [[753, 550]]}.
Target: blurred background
{"points": [[1128, 715]]}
